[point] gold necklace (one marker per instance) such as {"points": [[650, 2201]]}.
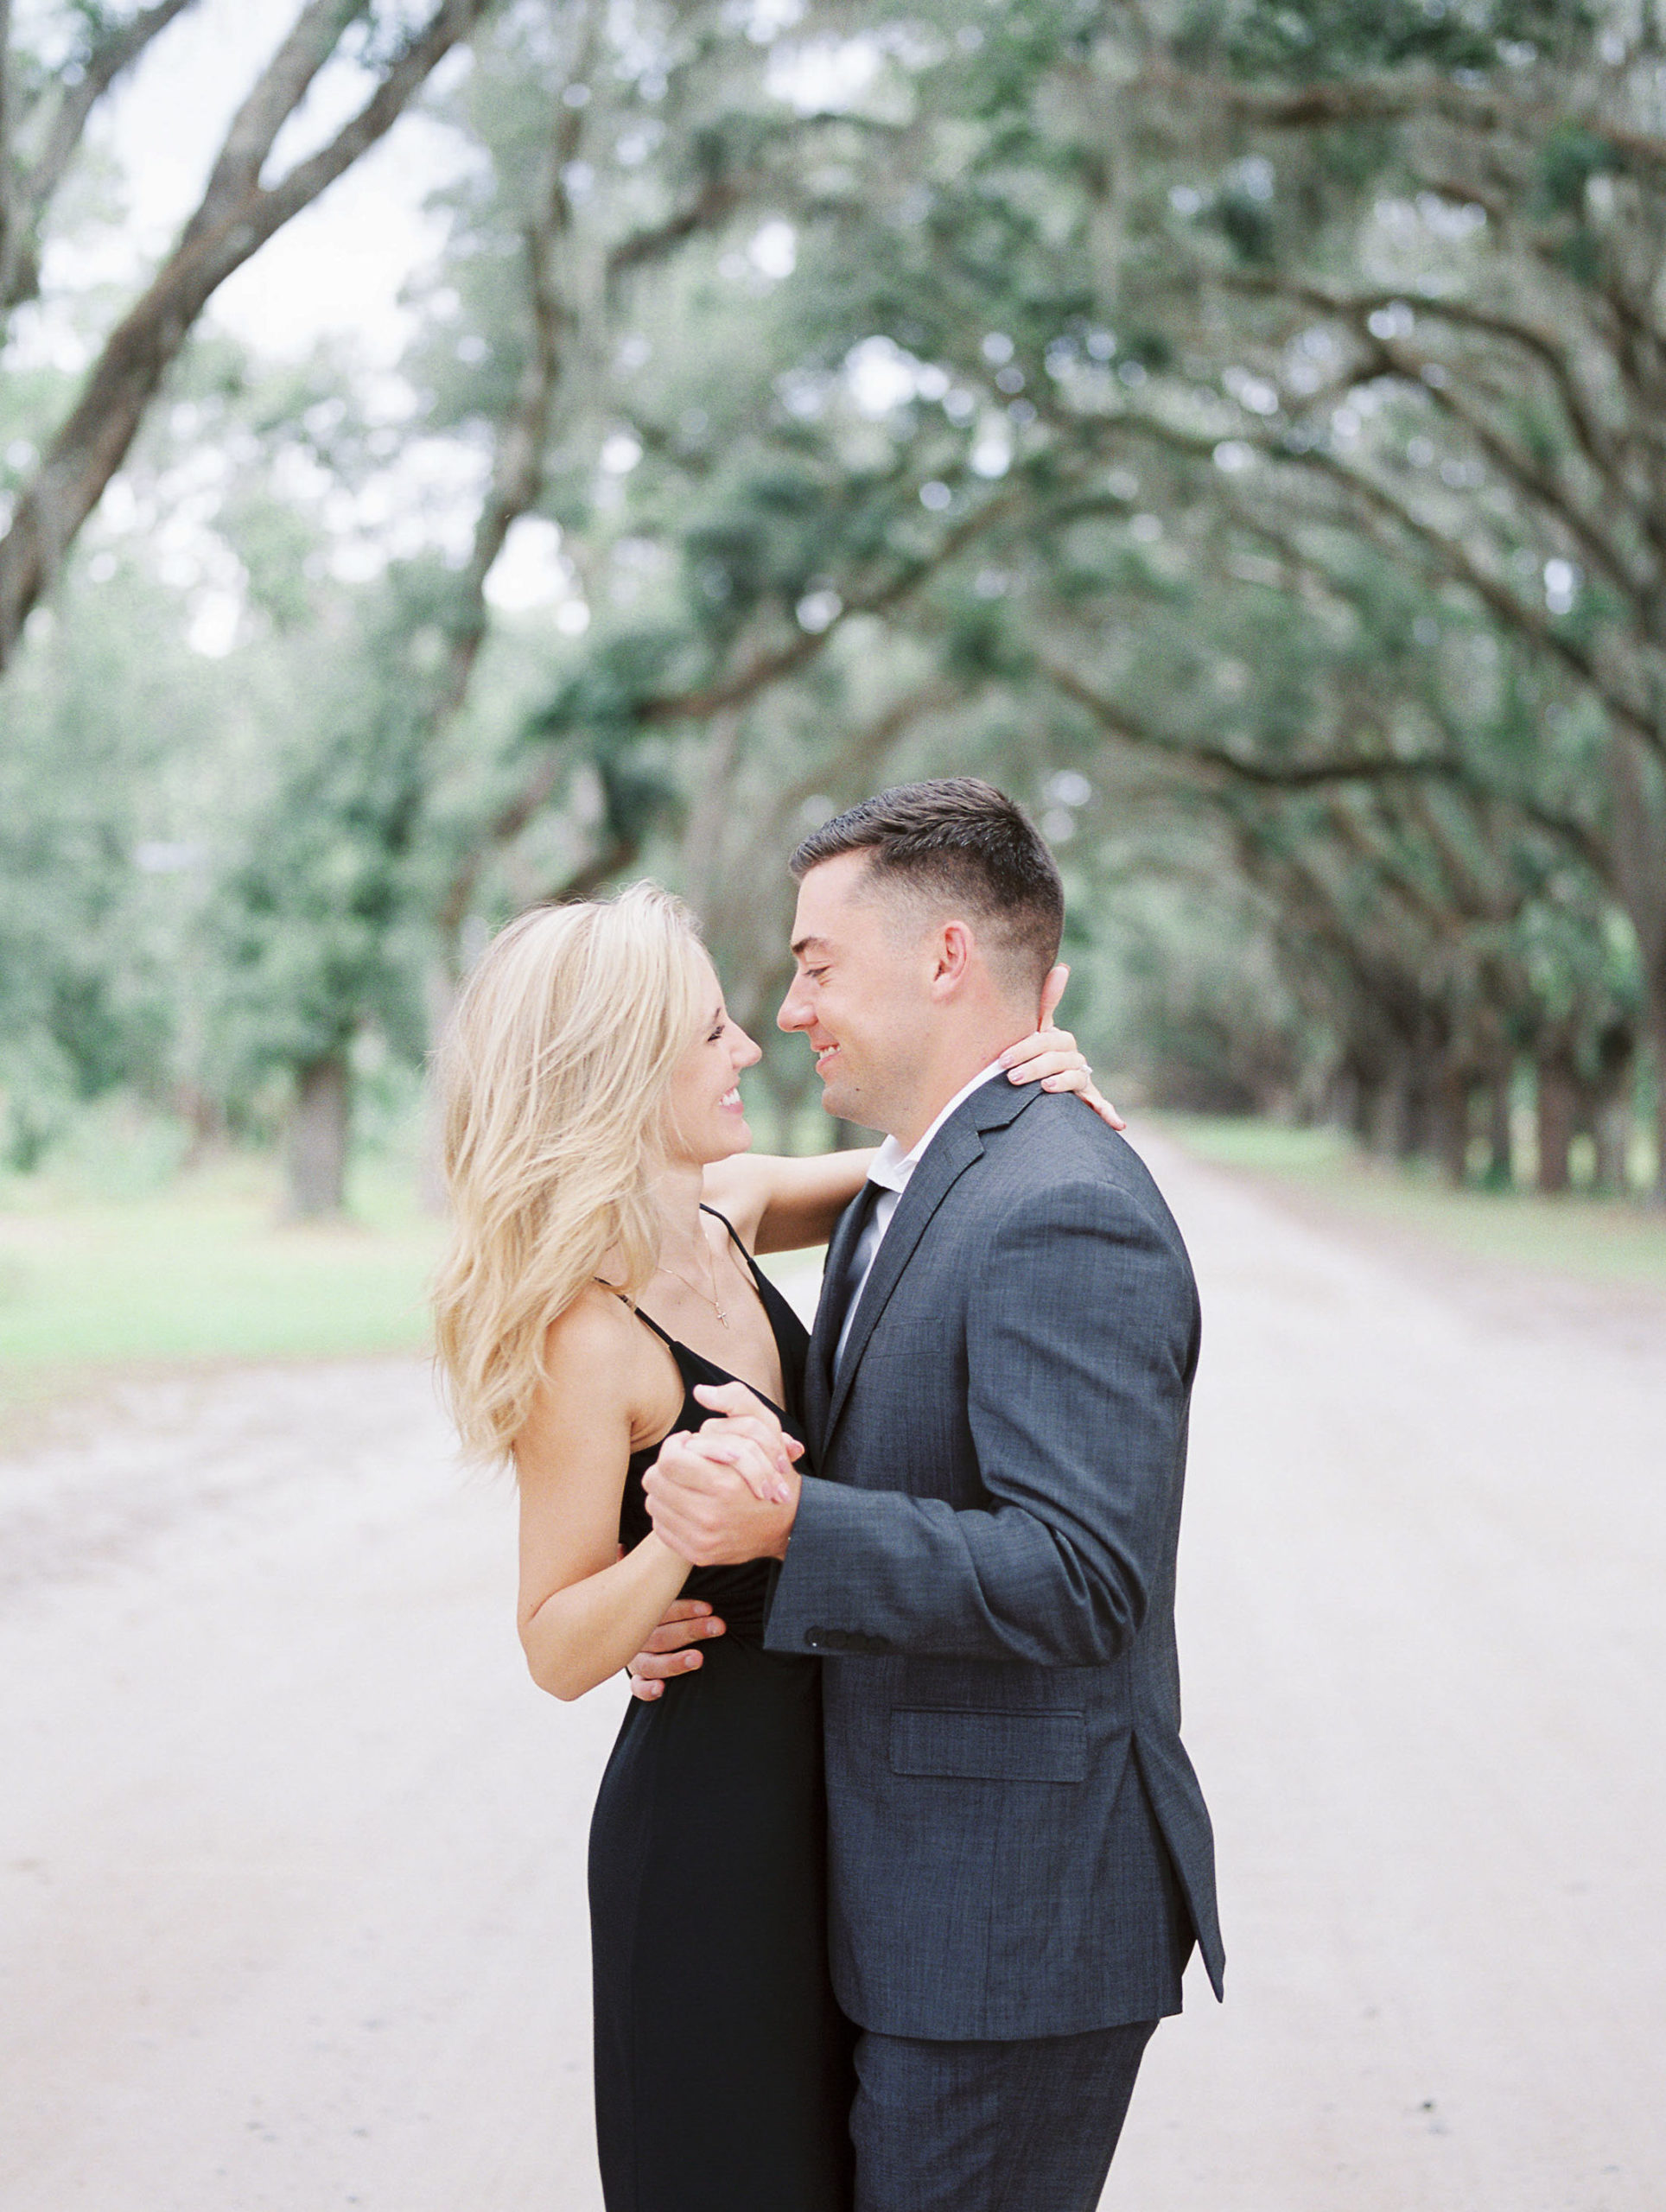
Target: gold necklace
{"points": [[710, 1296]]}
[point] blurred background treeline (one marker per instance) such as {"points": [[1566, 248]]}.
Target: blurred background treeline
{"points": [[1239, 429]]}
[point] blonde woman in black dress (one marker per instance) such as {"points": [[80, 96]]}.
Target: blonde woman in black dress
{"points": [[600, 1275]]}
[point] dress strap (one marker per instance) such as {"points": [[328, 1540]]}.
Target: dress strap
{"points": [[757, 1273], [645, 1317], [663, 1337], [734, 1234]]}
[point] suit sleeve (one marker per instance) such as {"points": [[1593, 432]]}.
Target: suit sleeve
{"points": [[1081, 1333]]}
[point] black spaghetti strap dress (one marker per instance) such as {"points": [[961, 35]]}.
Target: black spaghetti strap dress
{"points": [[723, 2075]]}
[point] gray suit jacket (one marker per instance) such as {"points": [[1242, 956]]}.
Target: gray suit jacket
{"points": [[986, 1559]]}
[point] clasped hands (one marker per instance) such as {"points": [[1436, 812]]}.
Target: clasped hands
{"points": [[729, 1491]]}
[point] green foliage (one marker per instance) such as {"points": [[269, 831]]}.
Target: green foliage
{"points": [[100, 851], [1314, 40], [311, 924], [1176, 461], [1571, 157]]}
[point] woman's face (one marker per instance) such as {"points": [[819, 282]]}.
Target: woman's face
{"points": [[702, 1107]]}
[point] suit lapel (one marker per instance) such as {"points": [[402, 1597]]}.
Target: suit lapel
{"points": [[818, 1367], [956, 1146], [993, 1105]]}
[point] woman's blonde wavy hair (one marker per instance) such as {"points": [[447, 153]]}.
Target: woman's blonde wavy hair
{"points": [[553, 1074]]}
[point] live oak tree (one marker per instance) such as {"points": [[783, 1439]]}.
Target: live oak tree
{"points": [[45, 100], [1234, 431], [1318, 285], [564, 243], [1397, 274]]}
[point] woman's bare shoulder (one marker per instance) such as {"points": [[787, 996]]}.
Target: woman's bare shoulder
{"points": [[595, 1341], [595, 1393]]}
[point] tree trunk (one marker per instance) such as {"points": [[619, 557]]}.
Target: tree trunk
{"points": [[1396, 1112], [441, 997], [1612, 1131], [1383, 1101], [1450, 1116], [1605, 1107], [1500, 1162], [204, 1115], [1656, 987], [1363, 1106], [1639, 875], [316, 1155], [1558, 1105]]}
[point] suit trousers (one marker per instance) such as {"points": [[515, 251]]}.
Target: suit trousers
{"points": [[1026, 2127]]}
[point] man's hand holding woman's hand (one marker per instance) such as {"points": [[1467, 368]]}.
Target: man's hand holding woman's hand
{"points": [[729, 1492]]}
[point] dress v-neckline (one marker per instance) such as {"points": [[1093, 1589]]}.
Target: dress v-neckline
{"points": [[761, 1285], [675, 1344]]}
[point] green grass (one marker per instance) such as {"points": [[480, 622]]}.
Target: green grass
{"points": [[1599, 1240], [197, 1271]]}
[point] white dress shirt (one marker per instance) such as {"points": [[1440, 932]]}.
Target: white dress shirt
{"points": [[891, 1169]]}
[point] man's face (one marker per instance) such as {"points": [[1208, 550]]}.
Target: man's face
{"points": [[861, 995]]}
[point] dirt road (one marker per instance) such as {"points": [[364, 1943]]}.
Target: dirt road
{"points": [[291, 1853]]}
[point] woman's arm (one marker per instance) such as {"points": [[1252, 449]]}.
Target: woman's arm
{"points": [[583, 1610], [780, 1204]]}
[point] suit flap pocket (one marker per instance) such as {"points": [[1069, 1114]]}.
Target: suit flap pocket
{"points": [[988, 1746]]}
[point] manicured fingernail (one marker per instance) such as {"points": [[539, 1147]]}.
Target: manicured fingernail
{"points": [[712, 1628], [691, 1658]]}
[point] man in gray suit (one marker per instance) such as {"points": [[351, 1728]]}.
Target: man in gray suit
{"points": [[997, 1404]]}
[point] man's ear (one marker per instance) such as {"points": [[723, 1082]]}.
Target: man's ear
{"points": [[952, 957], [1051, 991]]}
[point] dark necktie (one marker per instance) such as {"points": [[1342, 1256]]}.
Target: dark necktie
{"points": [[838, 1294]]}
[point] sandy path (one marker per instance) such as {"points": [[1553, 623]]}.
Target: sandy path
{"points": [[291, 1853]]}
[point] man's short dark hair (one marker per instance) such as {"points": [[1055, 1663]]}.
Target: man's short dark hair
{"points": [[959, 842]]}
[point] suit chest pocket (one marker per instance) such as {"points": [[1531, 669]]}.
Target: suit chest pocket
{"points": [[988, 1746]]}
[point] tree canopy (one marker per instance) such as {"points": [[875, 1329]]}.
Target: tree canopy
{"points": [[1235, 428]]}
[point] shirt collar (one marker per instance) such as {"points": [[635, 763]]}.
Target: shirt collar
{"points": [[892, 1167]]}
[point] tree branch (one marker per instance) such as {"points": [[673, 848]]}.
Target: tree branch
{"points": [[1458, 565], [1276, 775], [9, 206], [94, 442], [519, 470], [110, 56], [1387, 99], [1357, 307], [773, 667], [505, 827]]}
